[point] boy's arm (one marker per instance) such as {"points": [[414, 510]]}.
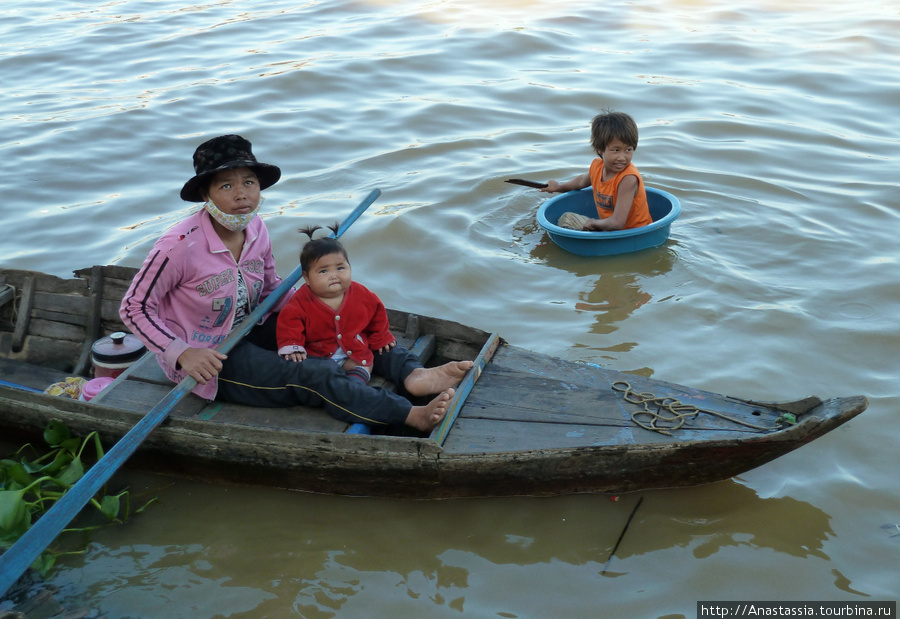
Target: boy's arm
{"points": [[579, 182], [624, 199]]}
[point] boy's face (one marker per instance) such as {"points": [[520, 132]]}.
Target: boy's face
{"points": [[616, 156], [329, 276]]}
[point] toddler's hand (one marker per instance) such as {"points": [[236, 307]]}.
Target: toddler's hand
{"points": [[292, 352], [386, 348]]}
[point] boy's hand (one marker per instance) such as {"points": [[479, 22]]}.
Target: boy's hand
{"points": [[552, 187], [295, 356]]}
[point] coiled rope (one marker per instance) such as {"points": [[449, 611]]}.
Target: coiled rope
{"points": [[672, 413]]}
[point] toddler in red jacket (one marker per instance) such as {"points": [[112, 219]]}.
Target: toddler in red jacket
{"points": [[331, 315]]}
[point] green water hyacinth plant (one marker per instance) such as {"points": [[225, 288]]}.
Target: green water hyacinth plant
{"points": [[29, 487]]}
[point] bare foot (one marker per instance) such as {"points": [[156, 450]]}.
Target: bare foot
{"points": [[425, 381], [426, 417]]}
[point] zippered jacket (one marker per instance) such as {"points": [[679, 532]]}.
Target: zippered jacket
{"points": [[184, 294]]}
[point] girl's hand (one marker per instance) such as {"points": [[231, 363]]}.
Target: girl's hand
{"points": [[201, 364], [387, 347], [297, 357]]}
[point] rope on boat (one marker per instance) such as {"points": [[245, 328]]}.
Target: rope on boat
{"points": [[674, 413]]}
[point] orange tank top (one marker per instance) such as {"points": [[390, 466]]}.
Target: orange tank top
{"points": [[605, 195]]}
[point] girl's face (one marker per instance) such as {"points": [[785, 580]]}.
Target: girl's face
{"points": [[616, 156], [235, 191], [329, 276]]}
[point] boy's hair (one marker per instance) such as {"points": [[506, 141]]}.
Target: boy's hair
{"points": [[609, 125], [316, 248]]}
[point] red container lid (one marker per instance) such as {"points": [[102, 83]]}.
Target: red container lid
{"points": [[118, 347]]}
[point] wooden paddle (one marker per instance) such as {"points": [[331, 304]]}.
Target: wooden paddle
{"points": [[526, 183], [30, 546]]}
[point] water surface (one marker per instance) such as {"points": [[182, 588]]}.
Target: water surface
{"points": [[771, 121]]}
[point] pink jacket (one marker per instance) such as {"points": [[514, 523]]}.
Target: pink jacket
{"points": [[359, 326], [184, 294]]}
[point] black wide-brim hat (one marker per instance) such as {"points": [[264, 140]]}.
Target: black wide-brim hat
{"points": [[225, 153]]}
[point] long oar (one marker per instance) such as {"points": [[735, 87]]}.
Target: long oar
{"points": [[30, 546]]}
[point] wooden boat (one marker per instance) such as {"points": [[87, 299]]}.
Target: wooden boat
{"points": [[521, 424]]}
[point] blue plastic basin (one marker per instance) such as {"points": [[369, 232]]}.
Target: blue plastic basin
{"points": [[664, 209]]}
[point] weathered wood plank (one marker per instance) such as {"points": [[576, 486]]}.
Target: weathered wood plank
{"points": [[56, 354], [73, 306], [521, 360], [24, 317], [44, 282], [147, 369], [92, 326], [137, 396], [493, 436], [298, 418], [29, 375], [53, 329], [7, 294], [460, 398], [62, 317], [504, 394]]}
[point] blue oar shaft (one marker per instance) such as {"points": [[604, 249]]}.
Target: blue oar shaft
{"points": [[35, 540]]}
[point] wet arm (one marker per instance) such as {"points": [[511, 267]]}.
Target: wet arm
{"points": [[579, 182], [624, 199]]}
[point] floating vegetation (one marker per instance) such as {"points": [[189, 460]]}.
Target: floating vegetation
{"points": [[32, 482]]}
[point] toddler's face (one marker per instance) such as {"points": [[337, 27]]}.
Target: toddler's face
{"points": [[329, 276]]}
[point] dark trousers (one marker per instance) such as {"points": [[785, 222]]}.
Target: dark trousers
{"points": [[255, 375]]}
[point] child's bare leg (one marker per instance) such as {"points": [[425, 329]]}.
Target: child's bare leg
{"points": [[426, 417], [425, 381]]}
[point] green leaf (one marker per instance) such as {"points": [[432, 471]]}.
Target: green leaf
{"points": [[110, 507], [43, 563], [71, 473], [70, 445], [56, 432], [13, 511], [20, 475], [62, 459]]}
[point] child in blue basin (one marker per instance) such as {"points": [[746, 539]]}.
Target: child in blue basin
{"points": [[619, 193]]}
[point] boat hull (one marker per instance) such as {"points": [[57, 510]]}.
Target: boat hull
{"points": [[530, 424]]}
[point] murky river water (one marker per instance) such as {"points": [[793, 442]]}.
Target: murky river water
{"points": [[774, 124]]}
